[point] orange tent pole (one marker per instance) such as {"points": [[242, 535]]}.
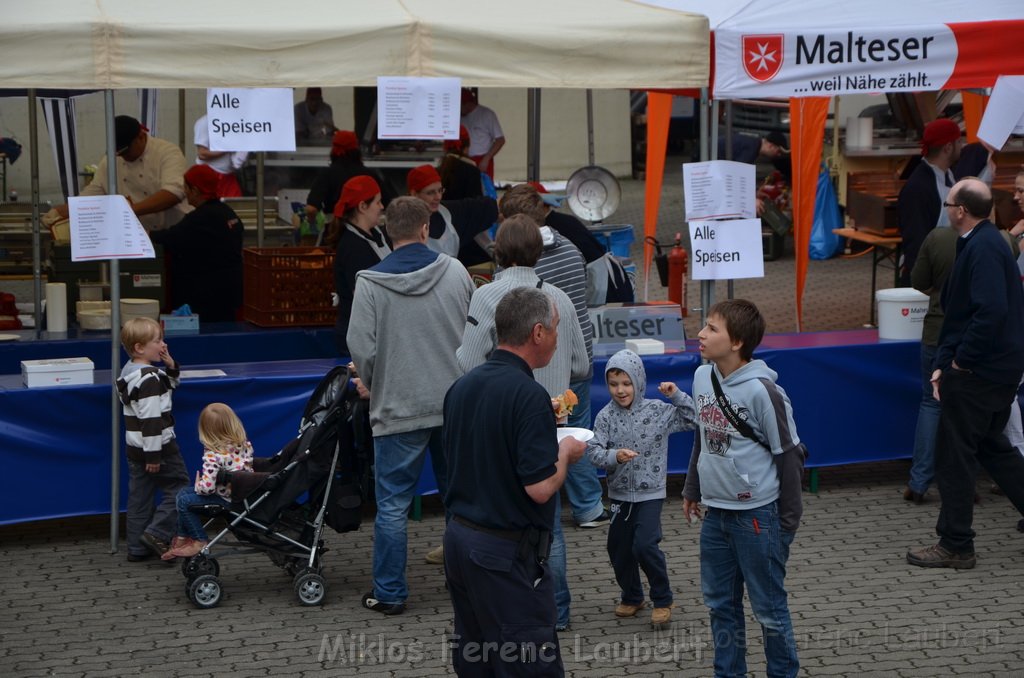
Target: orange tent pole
{"points": [[659, 114], [807, 125], [974, 109]]}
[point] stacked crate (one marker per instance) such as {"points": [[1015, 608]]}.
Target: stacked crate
{"points": [[288, 286]]}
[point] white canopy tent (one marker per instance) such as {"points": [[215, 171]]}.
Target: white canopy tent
{"points": [[118, 44]]}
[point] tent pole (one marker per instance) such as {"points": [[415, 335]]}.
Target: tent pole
{"points": [[115, 325], [707, 291], [533, 134], [37, 268], [590, 127], [260, 157], [181, 122]]}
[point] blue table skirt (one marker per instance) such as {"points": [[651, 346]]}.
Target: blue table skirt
{"points": [[853, 402], [218, 343]]}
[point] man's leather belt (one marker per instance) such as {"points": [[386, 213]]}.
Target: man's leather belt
{"points": [[511, 535]]}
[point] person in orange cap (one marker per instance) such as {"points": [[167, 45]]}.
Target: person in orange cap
{"points": [[459, 174], [458, 228], [205, 251], [346, 162], [359, 242]]}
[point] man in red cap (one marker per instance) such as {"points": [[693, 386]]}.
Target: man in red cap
{"points": [[206, 251], [346, 162], [920, 201], [458, 228], [485, 135]]}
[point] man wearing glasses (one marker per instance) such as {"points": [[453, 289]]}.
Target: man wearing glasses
{"points": [[150, 174], [978, 365]]}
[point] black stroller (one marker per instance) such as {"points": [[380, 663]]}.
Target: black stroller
{"points": [[318, 479]]}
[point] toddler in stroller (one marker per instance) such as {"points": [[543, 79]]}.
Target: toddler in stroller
{"points": [[282, 505]]}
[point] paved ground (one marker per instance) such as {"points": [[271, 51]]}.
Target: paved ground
{"points": [[69, 607]]}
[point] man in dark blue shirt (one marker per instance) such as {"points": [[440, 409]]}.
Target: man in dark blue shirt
{"points": [[505, 469], [978, 365]]}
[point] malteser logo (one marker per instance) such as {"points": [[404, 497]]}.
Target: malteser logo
{"points": [[762, 56], [905, 311]]}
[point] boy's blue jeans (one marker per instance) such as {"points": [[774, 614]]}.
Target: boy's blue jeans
{"points": [[747, 548]]}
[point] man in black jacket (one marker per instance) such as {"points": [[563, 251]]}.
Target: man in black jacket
{"points": [[978, 365]]}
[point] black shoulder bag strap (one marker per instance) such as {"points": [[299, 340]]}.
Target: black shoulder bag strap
{"points": [[741, 426]]}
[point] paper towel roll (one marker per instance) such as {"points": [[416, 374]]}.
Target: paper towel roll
{"points": [[863, 132], [56, 307]]}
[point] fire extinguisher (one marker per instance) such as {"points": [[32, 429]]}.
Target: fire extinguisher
{"points": [[678, 265]]}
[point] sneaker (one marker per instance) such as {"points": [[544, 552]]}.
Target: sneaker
{"points": [[628, 609], [910, 495], [371, 603], [599, 521], [436, 556], [561, 628], [158, 546], [139, 557], [661, 616], [937, 556]]}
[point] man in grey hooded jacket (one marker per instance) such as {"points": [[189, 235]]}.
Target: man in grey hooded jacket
{"points": [[407, 319]]}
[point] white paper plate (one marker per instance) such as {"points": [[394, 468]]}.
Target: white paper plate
{"points": [[9, 337], [580, 434]]}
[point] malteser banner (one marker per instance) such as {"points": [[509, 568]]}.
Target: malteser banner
{"points": [[788, 63]]}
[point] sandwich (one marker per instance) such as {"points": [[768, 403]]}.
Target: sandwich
{"points": [[566, 402]]}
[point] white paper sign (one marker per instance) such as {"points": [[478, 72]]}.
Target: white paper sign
{"points": [[726, 250], [105, 227], [719, 189], [1004, 113], [250, 119], [418, 108]]}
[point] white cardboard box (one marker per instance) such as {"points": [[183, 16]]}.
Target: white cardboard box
{"points": [[56, 372], [645, 346]]}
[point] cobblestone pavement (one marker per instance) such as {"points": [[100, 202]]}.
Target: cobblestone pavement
{"points": [[68, 607]]}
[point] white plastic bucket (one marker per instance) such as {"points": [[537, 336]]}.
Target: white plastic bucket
{"points": [[901, 312]]}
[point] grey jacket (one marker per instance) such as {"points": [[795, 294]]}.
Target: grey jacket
{"points": [[643, 427], [404, 330]]}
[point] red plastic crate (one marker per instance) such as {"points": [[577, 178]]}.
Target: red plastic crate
{"points": [[287, 286]]}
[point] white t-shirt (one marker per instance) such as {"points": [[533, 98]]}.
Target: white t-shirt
{"points": [[225, 164], [483, 128]]}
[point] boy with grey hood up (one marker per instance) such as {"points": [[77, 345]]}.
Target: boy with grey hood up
{"points": [[631, 444]]}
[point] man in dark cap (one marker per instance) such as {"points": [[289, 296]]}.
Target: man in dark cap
{"points": [[314, 119], [150, 175], [747, 148]]}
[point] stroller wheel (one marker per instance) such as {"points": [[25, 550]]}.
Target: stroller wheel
{"points": [[198, 565], [205, 591], [310, 588]]}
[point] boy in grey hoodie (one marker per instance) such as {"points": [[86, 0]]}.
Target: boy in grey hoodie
{"points": [[746, 467], [631, 444]]}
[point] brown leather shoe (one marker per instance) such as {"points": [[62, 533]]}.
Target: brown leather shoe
{"points": [[628, 609], [938, 556], [661, 616]]}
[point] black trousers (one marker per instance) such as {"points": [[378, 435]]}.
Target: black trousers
{"points": [[504, 607], [974, 414]]}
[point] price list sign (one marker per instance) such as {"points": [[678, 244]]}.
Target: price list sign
{"points": [[105, 227], [418, 108]]}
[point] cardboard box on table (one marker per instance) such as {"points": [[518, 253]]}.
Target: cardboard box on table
{"points": [[57, 372]]}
